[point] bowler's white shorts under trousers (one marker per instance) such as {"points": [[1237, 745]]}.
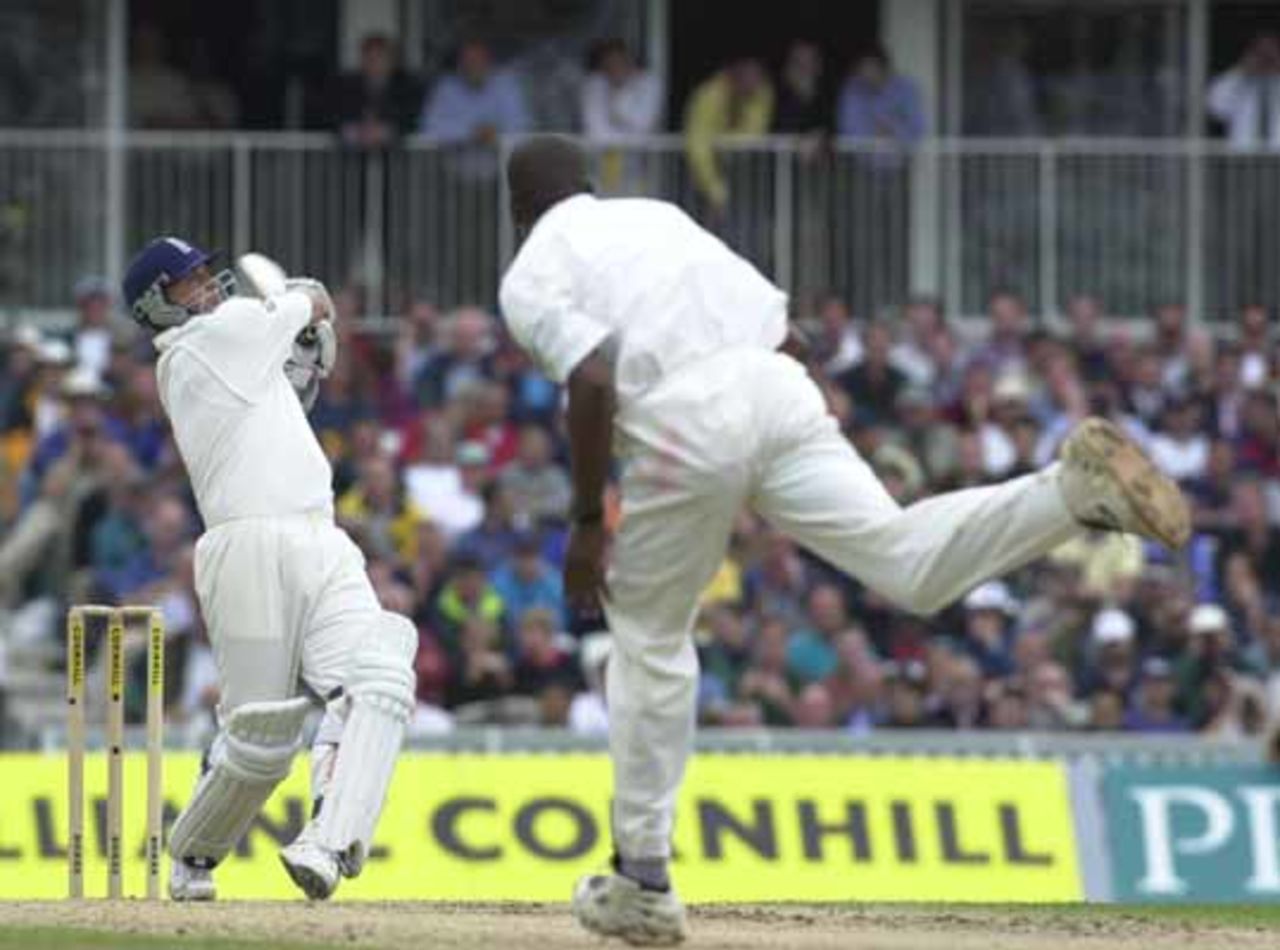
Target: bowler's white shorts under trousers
{"points": [[749, 427]]}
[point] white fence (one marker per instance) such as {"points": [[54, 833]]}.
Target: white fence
{"points": [[1135, 222]]}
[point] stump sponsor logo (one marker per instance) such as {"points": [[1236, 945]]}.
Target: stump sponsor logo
{"points": [[523, 827]]}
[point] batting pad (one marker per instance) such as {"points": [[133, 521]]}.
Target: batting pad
{"points": [[248, 759], [381, 687]]}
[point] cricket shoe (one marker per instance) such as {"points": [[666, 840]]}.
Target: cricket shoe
{"points": [[188, 883], [615, 906], [1109, 483], [314, 868]]}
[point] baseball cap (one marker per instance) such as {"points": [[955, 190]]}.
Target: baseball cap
{"points": [[1208, 618], [82, 383], [92, 285], [1011, 387], [28, 337], [906, 671], [1113, 626], [993, 595], [54, 352], [917, 396], [472, 453]]}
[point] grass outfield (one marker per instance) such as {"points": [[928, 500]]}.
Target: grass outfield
{"points": [[421, 926]]}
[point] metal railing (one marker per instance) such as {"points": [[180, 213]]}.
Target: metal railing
{"points": [[1135, 222], [1104, 747]]}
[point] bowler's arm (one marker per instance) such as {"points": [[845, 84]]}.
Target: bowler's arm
{"points": [[589, 417]]}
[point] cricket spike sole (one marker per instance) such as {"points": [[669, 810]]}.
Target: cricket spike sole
{"points": [[1107, 458]]}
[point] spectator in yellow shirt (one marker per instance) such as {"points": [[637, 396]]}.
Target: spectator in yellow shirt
{"points": [[379, 514], [737, 100]]}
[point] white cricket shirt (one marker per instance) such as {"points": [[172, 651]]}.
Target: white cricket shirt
{"points": [[240, 428], [641, 275]]}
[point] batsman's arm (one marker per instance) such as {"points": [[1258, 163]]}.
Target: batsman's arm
{"points": [[590, 422]]}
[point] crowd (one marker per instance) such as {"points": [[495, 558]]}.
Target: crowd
{"points": [[449, 470]]}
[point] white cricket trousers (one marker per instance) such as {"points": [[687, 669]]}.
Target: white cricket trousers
{"points": [[748, 427], [284, 599]]}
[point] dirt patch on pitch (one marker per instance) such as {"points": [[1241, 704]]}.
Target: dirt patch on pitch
{"points": [[415, 926]]}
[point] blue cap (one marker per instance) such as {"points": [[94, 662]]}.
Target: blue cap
{"points": [[163, 261]]}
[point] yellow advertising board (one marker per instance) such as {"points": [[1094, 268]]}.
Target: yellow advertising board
{"points": [[524, 826]]}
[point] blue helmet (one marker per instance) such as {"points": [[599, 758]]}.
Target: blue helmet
{"points": [[163, 261]]}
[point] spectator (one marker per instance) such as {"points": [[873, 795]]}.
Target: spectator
{"points": [[922, 320], [1050, 703], [476, 103], [1113, 666], [1255, 346], [466, 596], [905, 695], [216, 105], [1246, 98], [539, 489], [494, 539], [92, 343], [803, 107], [105, 512], [724, 654], [1180, 448], [542, 663], [19, 370], [874, 383], [619, 98], [118, 537], [452, 494], [1006, 706], [169, 532], [481, 672], [526, 582], [1210, 653], [988, 637], [588, 713], [46, 399], [1006, 345], [1000, 95], [483, 413], [379, 514], [160, 97], [1106, 711], [927, 438], [375, 105], [1084, 319], [1109, 564], [811, 652], [737, 100], [958, 700], [465, 358], [766, 682], [878, 104], [814, 709], [776, 585], [1152, 709], [837, 346]]}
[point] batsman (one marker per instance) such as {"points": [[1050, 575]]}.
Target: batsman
{"points": [[290, 612]]}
